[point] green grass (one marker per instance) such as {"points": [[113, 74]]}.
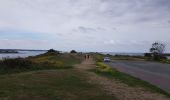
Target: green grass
{"points": [[105, 70], [64, 84], [41, 62], [165, 61], [39, 78]]}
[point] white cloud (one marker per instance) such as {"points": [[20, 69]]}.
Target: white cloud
{"points": [[74, 24]]}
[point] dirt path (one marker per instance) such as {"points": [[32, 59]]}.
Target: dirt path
{"points": [[120, 90]]}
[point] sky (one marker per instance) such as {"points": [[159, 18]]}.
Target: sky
{"points": [[84, 25]]}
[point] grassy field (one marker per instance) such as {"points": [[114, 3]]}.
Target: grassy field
{"points": [[47, 77], [41, 62], [109, 72], [63, 84]]}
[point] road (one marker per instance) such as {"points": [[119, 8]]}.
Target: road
{"points": [[155, 73]]}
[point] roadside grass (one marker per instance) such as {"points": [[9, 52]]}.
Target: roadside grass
{"points": [[64, 84], [109, 72], [165, 61], [41, 62]]}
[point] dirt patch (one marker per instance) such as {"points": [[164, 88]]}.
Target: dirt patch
{"points": [[114, 87]]}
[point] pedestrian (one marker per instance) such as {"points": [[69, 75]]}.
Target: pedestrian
{"points": [[88, 56], [85, 57]]}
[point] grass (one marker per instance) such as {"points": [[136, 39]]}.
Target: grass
{"points": [[105, 70], [165, 61], [47, 77], [41, 62], [64, 84]]}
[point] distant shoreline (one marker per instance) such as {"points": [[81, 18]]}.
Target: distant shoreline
{"points": [[21, 50], [8, 51]]}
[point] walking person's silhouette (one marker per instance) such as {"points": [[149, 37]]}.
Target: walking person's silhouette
{"points": [[85, 57], [88, 56]]}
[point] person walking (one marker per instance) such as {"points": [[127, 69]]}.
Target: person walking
{"points": [[85, 57], [88, 56]]}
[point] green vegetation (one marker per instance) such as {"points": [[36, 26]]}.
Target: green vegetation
{"points": [[165, 61], [64, 84], [98, 57], [57, 81], [73, 51], [105, 70], [41, 62]]}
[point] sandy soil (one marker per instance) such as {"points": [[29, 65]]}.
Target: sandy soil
{"points": [[114, 87]]}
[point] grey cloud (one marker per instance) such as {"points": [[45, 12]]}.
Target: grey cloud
{"points": [[87, 21], [84, 29]]}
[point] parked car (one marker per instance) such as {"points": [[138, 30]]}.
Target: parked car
{"points": [[106, 59]]}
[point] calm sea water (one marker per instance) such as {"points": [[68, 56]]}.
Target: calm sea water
{"points": [[120, 53], [21, 54], [130, 54]]}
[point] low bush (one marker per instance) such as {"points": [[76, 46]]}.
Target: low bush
{"points": [[99, 57], [73, 51], [8, 66], [15, 63], [148, 55]]}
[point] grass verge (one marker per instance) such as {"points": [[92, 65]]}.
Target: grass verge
{"points": [[64, 84], [41, 62], [105, 70]]}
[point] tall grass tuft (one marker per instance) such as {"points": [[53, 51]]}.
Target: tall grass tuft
{"points": [[15, 63]]}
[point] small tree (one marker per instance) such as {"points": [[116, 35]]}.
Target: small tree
{"points": [[73, 51], [157, 50], [52, 51]]}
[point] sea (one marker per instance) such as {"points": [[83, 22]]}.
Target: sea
{"points": [[123, 53], [129, 54], [21, 54]]}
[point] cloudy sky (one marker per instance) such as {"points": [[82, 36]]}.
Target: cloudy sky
{"points": [[84, 25]]}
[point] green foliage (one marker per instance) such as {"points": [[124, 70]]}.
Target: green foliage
{"points": [[52, 51], [15, 63], [99, 57], [50, 85], [41, 62], [148, 55], [73, 51]]}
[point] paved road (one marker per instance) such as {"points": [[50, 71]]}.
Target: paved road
{"points": [[153, 72]]}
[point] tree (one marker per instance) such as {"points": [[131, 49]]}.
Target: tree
{"points": [[157, 50], [73, 51], [52, 51]]}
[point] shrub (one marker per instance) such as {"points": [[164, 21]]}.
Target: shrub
{"points": [[52, 51], [99, 58], [73, 51], [15, 63], [148, 55]]}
